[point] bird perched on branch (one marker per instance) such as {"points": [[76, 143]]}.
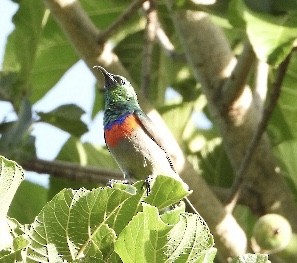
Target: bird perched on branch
{"points": [[130, 135]]}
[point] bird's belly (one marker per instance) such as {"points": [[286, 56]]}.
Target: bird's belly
{"points": [[139, 156]]}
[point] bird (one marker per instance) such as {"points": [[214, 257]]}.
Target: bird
{"points": [[130, 135]]}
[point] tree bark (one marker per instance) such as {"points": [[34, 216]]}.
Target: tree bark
{"points": [[213, 64]]}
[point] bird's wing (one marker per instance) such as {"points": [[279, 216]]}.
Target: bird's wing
{"points": [[150, 129]]}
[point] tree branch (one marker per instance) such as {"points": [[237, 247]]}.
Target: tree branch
{"points": [[237, 187], [72, 171], [235, 84], [120, 21], [150, 37], [211, 58], [209, 54], [261, 80]]}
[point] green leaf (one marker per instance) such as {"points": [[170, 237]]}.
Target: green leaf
{"points": [[279, 127], [172, 216], [190, 241], [12, 245], [283, 124], [286, 153], [212, 161], [55, 55], [186, 85], [11, 175], [271, 36], [84, 154], [148, 239], [177, 117], [22, 45], [78, 224], [144, 238], [251, 258], [166, 191], [66, 117], [287, 5], [26, 209]]}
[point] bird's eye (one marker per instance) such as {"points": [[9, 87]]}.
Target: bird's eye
{"points": [[123, 82]]}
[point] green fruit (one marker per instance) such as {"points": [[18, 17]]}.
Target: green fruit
{"points": [[271, 233]]}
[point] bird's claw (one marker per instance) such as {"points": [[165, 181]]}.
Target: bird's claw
{"points": [[147, 184]]}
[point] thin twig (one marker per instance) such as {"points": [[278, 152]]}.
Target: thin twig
{"points": [[166, 44], [120, 21], [164, 39], [150, 37], [261, 79], [235, 84], [271, 103], [72, 171]]}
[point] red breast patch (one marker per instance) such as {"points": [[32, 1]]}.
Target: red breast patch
{"points": [[122, 130]]}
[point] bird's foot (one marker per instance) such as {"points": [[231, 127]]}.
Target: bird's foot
{"points": [[147, 184], [111, 182]]}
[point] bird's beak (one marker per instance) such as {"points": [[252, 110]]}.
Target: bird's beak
{"points": [[110, 81]]}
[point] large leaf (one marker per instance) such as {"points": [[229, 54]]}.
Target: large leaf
{"points": [[251, 258], [149, 239], [22, 45], [271, 36], [212, 161], [38, 49], [177, 117], [83, 226], [16, 242], [84, 154], [190, 241], [283, 124], [26, 209], [166, 191], [66, 117], [78, 224], [286, 152], [11, 175], [143, 238], [56, 55]]}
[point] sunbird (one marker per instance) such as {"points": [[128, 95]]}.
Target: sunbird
{"points": [[130, 135]]}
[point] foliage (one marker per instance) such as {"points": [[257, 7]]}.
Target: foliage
{"points": [[104, 225], [38, 55]]}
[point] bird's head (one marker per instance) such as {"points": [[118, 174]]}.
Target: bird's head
{"points": [[117, 89]]}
